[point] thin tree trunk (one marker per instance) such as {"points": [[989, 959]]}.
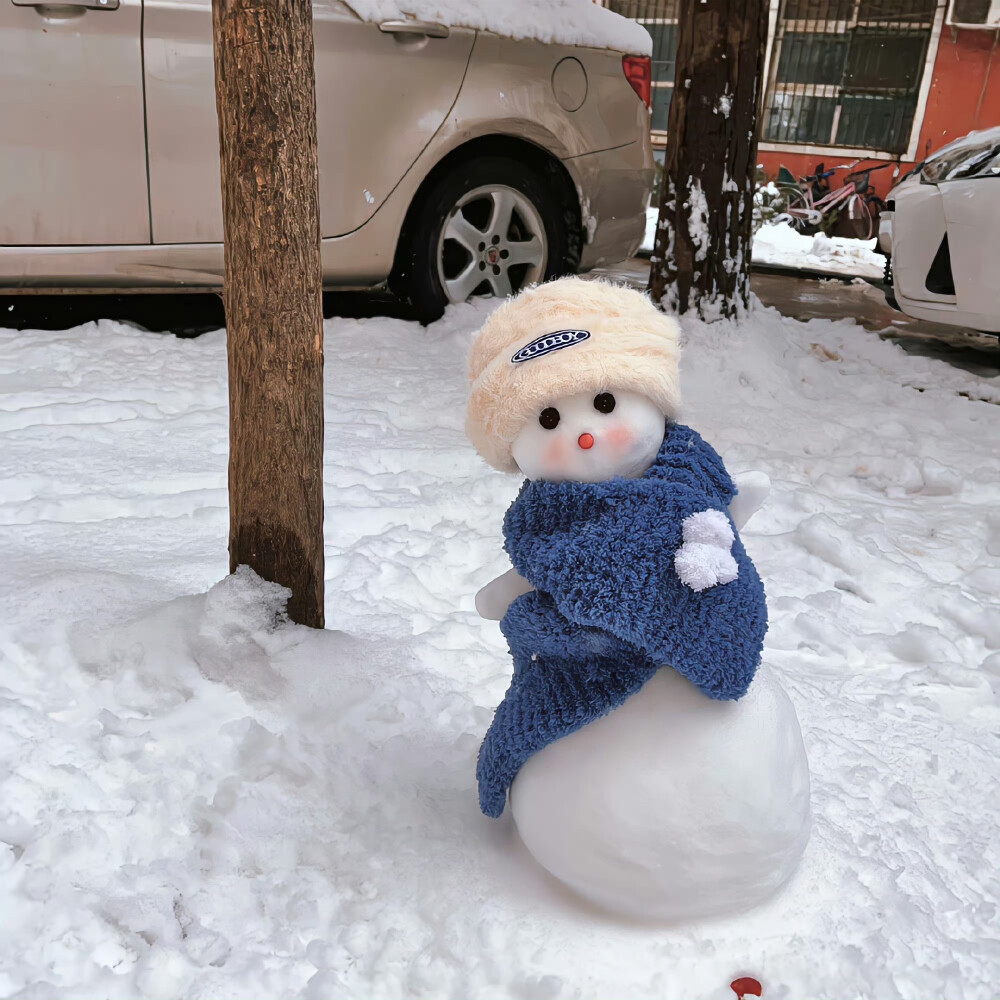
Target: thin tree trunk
{"points": [[266, 100], [701, 258]]}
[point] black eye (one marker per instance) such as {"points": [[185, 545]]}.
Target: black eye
{"points": [[604, 403], [549, 418]]}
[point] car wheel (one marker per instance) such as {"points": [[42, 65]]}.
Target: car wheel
{"points": [[488, 227]]}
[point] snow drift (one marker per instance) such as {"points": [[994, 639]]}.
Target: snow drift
{"points": [[199, 800]]}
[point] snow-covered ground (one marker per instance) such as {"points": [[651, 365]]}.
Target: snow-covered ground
{"points": [[200, 802], [780, 244]]}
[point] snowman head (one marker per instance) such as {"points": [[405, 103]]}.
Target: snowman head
{"points": [[589, 437], [573, 380]]}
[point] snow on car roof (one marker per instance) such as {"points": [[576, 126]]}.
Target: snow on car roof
{"points": [[560, 22]]}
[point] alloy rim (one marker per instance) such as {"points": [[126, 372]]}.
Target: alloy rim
{"points": [[492, 243]]}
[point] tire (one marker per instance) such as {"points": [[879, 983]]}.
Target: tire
{"points": [[454, 234], [797, 203], [856, 222]]}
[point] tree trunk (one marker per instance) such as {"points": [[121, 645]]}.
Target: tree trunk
{"points": [[701, 258], [266, 100]]}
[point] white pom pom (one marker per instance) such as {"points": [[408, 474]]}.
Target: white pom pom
{"points": [[710, 527], [702, 566], [705, 560]]}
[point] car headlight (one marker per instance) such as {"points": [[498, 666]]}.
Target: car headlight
{"points": [[977, 159]]}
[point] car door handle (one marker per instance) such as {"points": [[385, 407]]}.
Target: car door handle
{"points": [[58, 4], [430, 29]]}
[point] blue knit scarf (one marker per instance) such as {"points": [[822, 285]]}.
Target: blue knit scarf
{"points": [[609, 609]]}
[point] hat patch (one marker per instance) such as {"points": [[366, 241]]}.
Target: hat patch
{"points": [[548, 343]]}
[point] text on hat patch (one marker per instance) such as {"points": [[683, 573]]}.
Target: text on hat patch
{"points": [[548, 343]]}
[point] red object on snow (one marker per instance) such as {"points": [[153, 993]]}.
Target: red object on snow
{"points": [[744, 985]]}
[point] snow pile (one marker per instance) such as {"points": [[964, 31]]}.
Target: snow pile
{"points": [[779, 244], [559, 22], [768, 202], [767, 190], [198, 800]]}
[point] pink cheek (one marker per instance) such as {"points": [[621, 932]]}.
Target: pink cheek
{"points": [[555, 452], [620, 438]]}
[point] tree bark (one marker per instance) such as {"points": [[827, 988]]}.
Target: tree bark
{"points": [[266, 101], [701, 258]]}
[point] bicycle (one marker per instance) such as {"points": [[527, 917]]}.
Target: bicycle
{"points": [[813, 204]]}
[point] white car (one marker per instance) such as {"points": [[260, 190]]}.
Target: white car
{"points": [[940, 233]]}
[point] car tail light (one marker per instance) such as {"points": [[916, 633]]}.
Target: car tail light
{"points": [[639, 73]]}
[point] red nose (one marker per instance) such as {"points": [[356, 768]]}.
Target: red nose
{"points": [[586, 441]]}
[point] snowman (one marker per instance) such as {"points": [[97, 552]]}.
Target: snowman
{"points": [[651, 763]]}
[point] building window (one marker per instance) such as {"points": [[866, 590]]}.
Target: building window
{"points": [[847, 72], [659, 18]]}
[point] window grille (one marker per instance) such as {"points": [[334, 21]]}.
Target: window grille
{"points": [[847, 72], [842, 72]]}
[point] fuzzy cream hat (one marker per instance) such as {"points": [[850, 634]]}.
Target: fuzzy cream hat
{"points": [[559, 338]]}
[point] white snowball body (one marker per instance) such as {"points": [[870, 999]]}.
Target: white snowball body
{"points": [[673, 806]]}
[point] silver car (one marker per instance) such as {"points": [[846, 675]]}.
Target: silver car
{"points": [[453, 162]]}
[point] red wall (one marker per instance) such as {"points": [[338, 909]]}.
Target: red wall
{"points": [[965, 88], [964, 95]]}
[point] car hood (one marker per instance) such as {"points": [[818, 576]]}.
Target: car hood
{"points": [[984, 135], [972, 139]]}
